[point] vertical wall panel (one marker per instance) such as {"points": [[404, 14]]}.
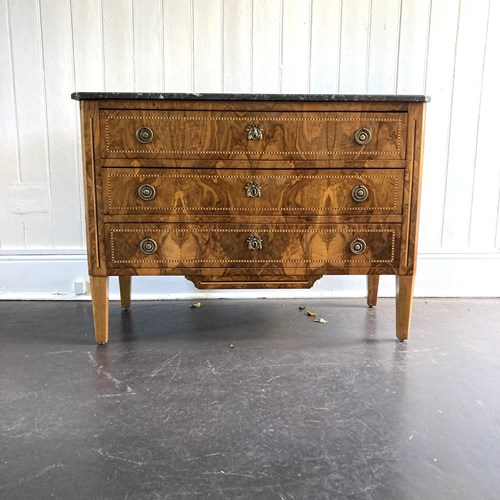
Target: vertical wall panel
{"points": [[148, 45], [440, 69], [237, 45], [32, 197], [296, 46], [413, 46], [11, 226], [208, 47], [325, 46], [487, 172], [266, 42], [463, 131], [9, 160], [119, 68], [30, 89], [383, 47], [86, 20], [354, 46], [8, 123], [178, 45], [497, 230], [58, 71]]}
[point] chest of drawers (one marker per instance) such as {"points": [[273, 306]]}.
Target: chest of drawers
{"points": [[248, 191]]}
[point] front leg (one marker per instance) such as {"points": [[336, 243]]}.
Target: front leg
{"points": [[372, 284], [100, 305], [404, 301]]}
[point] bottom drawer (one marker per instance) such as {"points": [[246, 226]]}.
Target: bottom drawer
{"points": [[253, 246]]}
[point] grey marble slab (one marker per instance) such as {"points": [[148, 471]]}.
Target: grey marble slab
{"points": [[250, 97]]}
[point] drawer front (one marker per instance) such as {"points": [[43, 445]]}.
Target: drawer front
{"points": [[252, 135], [263, 192], [252, 246]]}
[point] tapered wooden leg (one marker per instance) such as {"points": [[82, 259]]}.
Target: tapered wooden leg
{"points": [[100, 306], [372, 284], [404, 301], [125, 285]]}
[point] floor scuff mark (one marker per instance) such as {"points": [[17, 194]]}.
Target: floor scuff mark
{"points": [[117, 383], [156, 371]]}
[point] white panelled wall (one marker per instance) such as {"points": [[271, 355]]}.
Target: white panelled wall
{"points": [[447, 49]]}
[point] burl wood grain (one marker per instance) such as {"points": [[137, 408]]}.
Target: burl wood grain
{"points": [[289, 192], [254, 163], [412, 187], [235, 281], [91, 185], [252, 106], [208, 134], [183, 246]]}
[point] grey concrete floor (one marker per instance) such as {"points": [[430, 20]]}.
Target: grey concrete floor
{"points": [[294, 410]]}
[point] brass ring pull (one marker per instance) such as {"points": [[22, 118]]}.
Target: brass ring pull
{"points": [[254, 242], [253, 190], [254, 132], [359, 193], [144, 135], [358, 246], [148, 246], [146, 192], [363, 136]]}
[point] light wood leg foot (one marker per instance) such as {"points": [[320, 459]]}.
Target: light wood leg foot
{"points": [[125, 286], [372, 284], [100, 306], [404, 301]]}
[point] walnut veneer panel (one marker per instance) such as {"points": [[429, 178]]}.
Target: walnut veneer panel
{"points": [[225, 134], [281, 246], [256, 192]]}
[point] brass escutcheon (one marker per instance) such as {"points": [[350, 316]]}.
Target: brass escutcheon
{"points": [[254, 132], [254, 242], [253, 190]]}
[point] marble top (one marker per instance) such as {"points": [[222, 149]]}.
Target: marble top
{"points": [[78, 96]]}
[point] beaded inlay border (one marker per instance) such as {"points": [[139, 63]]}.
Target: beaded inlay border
{"points": [[249, 261], [245, 177], [260, 119]]}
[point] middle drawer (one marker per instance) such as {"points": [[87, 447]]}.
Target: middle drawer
{"points": [[145, 191]]}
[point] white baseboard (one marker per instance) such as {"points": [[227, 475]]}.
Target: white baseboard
{"points": [[44, 275]]}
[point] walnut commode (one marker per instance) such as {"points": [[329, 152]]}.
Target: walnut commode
{"points": [[251, 191]]}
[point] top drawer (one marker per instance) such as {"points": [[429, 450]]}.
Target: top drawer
{"points": [[252, 135]]}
